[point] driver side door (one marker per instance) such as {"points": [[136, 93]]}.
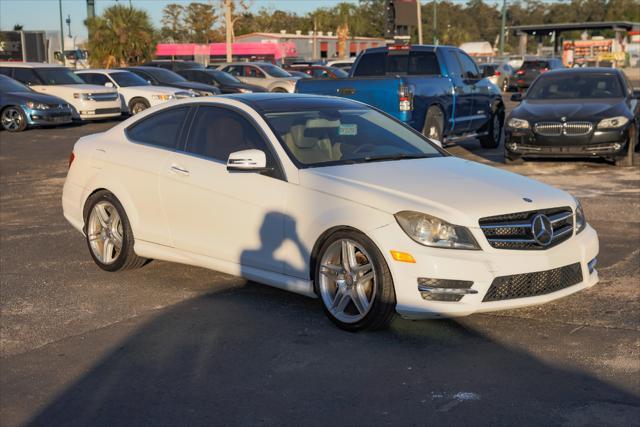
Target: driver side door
{"points": [[231, 216]]}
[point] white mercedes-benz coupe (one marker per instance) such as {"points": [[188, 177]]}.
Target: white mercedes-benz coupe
{"points": [[328, 198]]}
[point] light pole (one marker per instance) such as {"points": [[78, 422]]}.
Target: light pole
{"points": [[435, 22], [61, 28], [228, 24], [502, 26], [419, 12]]}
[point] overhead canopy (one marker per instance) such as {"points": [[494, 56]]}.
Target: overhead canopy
{"points": [[575, 26]]}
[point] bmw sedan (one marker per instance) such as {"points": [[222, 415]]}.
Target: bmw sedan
{"points": [[579, 112], [329, 198]]}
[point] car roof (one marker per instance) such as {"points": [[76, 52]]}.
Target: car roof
{"points": [[585, 70], [29, 65], [101, 70], [268, 102], [247, 63]]}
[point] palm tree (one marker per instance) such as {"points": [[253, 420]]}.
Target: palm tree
{"points": [[121, 36]]}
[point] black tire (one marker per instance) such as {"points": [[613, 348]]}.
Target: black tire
{"points": [[126, 258], [382, 307], [494, 130], [279, 90], [137, 105], [512, 159], [13, 119], [434, 124]]}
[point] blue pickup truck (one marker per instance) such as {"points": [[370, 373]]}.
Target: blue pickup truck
{"points": [[437, 90]]}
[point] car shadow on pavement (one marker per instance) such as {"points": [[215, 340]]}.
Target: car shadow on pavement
{"points": [[260, 356]]}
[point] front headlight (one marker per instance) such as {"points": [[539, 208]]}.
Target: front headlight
{"points": [[581, 220], [37, 105], [242, 90], [431, 231], [162, 97], [613, 122], [514, 123]]}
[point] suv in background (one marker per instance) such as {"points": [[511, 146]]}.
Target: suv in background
{"points": [[267, 75], [532, 68], [89, 101], [500, 74]]}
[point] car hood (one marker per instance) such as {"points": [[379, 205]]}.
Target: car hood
{"points": [[456, 190], [82, 88], [152, 90], [34, 96], [588, 110]]}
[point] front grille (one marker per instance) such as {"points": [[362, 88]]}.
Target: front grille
{"points": [[103, 96], [108, 110], [560, 128], [533, 284], [515, 230]]}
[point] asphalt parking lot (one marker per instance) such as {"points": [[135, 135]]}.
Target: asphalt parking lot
{"points": [[175, 345]]}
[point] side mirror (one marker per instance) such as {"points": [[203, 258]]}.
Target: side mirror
{"points": [[247, 161], [516, 97], [109, 84]]}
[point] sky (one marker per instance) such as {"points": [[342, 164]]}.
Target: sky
{"points": [[45, 15]]}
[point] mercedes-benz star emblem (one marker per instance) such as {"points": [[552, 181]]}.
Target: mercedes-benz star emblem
{"points": [[542, 230]]}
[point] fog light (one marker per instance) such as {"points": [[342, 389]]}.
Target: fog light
{"points": [[616, 146], [592, 265], [444, 290], [512, 146]]}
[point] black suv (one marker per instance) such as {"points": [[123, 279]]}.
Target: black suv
{"points": [[532, 68], [168, 64]]}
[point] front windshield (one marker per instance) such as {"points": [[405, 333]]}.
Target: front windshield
{"points": [[9, 85], [328, 136], [58, 76], [225, 78], [166, 76], [128, 79], [576, 86], [274, 71], [340, 73]]}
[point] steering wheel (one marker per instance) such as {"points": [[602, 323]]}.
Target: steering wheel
{"points": [[362, 148]]}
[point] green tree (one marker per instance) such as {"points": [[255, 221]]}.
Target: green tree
{"points": [[173, 27], [199, 20], [121, 36]]}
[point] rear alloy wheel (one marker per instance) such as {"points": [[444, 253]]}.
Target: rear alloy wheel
{"points": [[354, 282], [13, 119], [109, 234], [494, 132], [137, 106]]}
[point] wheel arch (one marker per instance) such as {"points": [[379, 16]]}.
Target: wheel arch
{"points": [[138, 98], [119, 192]]}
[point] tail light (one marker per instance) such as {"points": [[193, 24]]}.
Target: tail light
{"points": [[72, 157], [405, 98], [542, 70], [399, 47], [497, 74], [520, 72]]}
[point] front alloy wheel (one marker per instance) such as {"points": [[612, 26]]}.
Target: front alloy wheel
{"points": [[354, 283], [13, 119]]}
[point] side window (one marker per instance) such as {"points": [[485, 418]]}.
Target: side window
{"points": [[217, 132], [26, 76], [319, 73], [469, 68], [86, 77], [99, 79], [189, 75], [6, 71], [253, 72], [371, 64], [235, 70], [161, 129], [453, 65]]}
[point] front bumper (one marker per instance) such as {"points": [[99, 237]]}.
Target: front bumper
{"points": [[480, 267], [609, 143], [51, 116]]}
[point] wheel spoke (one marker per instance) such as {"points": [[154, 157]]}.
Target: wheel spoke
{"points": [[363, 269], [103, 215], [331, 269], [348, 255], [365, 278], [340, 300], [107, 251], [93, 237], [360, 300]]}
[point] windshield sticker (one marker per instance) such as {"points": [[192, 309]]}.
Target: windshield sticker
{"points": [[348, 130]]}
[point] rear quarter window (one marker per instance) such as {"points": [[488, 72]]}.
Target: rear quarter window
{"points": [[411, 63], [161, 129]]}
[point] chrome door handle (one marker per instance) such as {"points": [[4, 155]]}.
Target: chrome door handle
{"points": [[178, 170]]}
